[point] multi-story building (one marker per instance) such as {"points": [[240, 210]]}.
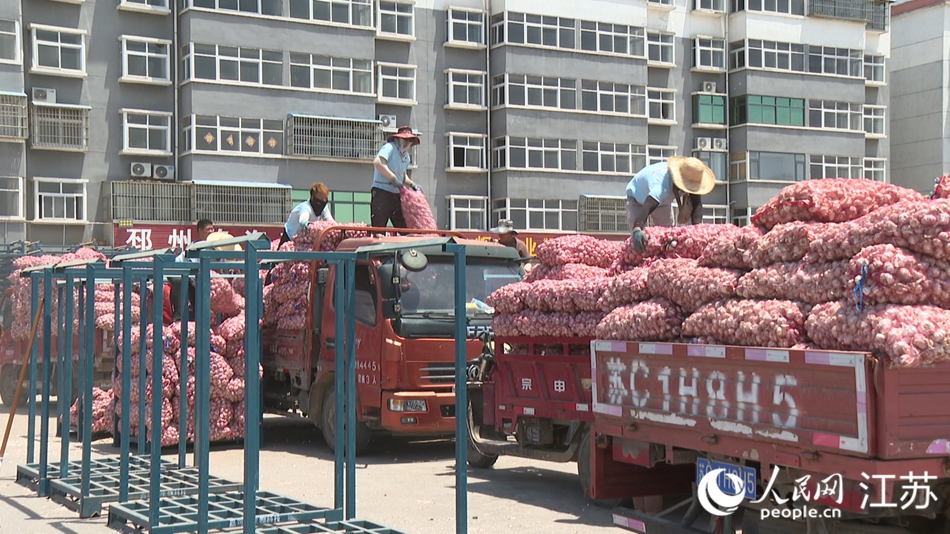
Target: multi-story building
{"points": [[919, 131], [146, 111]]}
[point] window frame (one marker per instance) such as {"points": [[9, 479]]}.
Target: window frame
{"points": [[699, 105], [191, 56], [190, 129], [760, 6], [743, 110], [520, 210], [352, 70], [451, 138], [634, 38], [20, 192], [635, 97], [450, 23], [132, 78], [351, 9], [37, 218], [396, 35], [635, 157], [874, 66], [126, 125], [14, 109], [855, 166], [17, 44], [712, 50], [697, 6], [761, 51], [828, 108], [529, 86], [658, 41], [854, 61], [878, 114], [36, 68], [455, 209], [334, 138], [660, 153], [450, 84], [380, 79], [144, 7], [871, 170], [665, 98], [502, 149], [83, 120]]}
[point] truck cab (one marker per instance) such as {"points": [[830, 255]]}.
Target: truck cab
{"points": [[404, 338]]}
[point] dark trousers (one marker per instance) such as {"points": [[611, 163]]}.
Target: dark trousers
{"points": [[386, 207], [175, 296]]}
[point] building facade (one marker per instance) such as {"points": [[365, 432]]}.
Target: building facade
{"points": [[144, 111], [921, 146]]}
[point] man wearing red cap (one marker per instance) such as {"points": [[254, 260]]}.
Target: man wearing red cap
{"points": [[389, 175]]}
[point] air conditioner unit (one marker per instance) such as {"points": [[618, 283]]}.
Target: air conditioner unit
{"points": [[41, 94], [703, 143], [163, 172], [141, 170], [719, 143], [388, 122], [709, 87]]}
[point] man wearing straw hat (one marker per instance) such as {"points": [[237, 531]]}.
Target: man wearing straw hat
{"points": [[652, 191], [389, 175]]}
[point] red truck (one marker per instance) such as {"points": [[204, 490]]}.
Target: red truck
{"points": [[778, 440], [405, 326]]}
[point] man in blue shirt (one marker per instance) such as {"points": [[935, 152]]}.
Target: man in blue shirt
{"points": [[651, 192], [308, 211], [389, 175]]}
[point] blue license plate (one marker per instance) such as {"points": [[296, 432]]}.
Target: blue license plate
{"points": [[746, 474]]}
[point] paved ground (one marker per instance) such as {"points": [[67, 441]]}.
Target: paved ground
{"points": [[405, 484]]}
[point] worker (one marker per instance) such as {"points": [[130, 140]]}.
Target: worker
{"points": [[651, 192], [203, 229], [389, 176], [306, 213], [508, 236]]}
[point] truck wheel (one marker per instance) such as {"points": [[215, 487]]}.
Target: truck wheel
{"points": [[8, 379], [363, 433], [584, 473], [477, 459]]}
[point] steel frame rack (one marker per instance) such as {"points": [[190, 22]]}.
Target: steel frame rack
{"points": [[354, 526]]}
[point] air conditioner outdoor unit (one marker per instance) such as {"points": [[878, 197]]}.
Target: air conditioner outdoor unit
{"points": [[703, 143], [141, 170], [709, 87], [41, 94], [163, 172], [720, 143], [388, 122]]}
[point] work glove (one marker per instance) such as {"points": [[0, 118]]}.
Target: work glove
{"points": [[305, 228], [417, 187], [639, 238]]}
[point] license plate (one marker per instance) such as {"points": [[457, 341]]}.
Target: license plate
{"points": [[745, 473]]}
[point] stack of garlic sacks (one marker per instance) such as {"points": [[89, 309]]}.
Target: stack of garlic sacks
{"points": [[833, 264]]}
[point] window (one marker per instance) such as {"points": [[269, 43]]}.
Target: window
{"points": [[350, 12], [11, 197], [537, 214], [755, 109], [528, 153], [874, 121], [9, 41], [395, 18], [612, 38], [59, 126], [466, 152], [397, 83], [662, 105], [233, 64], [709, 109], [533, 30], [13, 116], [878, 17], [464, 27], [837, 61], [856, 10], [536, 91], [467, 212], [660, 48], [835, 115], [146, 132], [255, 7], [709, 53], [836, 167], [232, 135], [776, 55], [58, 50], [718, 6], [788, 7], [715, 214], [348, 207], [333, 138], [144, 60], [620, 158], [160, 6], [343, 74], [874, 169], [59, 200], [611, 97], [465, 88], [716, 161], [874, 68], [775, 167], [656, 154]]}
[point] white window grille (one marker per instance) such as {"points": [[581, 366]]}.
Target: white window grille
{"points": [[59, 200], [835, 115], [246, 66], [535, 91], [874, 169], [656, 154], [602, 214], [349, 12], [874, 69], [662, 105], [146, 132], [333, 138], [337, 74], [621, 158], [660, 49], [835, 167], [465, 88], [715, 214], [261, 203], [11, 198], [874, 121], [396, 84], [148, 6], [709, 53], [464, 27], [609, 97], [145, 60], [59, 127], [58, 51], [13, 116], [537, 214], [531, 153], [535, 30], [233, 135], [466, 152], [395, 19], [253, 7], [612, 38], [9, 41], [468, 212]]}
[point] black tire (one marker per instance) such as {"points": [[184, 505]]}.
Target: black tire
{"points": [[8, 380], [328, 417], [584, 472], [477, 459]]}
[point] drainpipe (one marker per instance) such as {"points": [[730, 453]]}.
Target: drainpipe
{"points": [[728, 127], [486, 36], [176, 115]]}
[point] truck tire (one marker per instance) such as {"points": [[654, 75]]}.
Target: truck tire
{"points": [[8, 379], [583, 472], [477, 459], [363, 433]]}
